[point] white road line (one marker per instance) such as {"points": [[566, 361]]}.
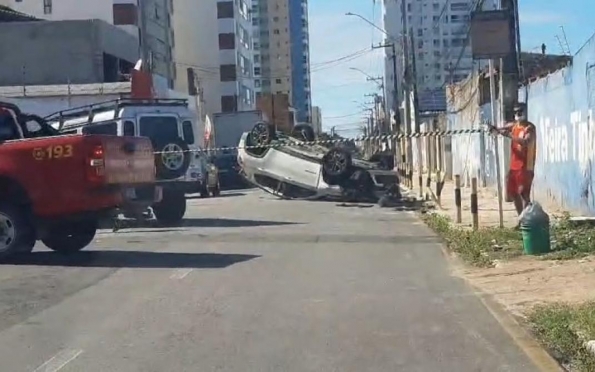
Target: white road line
{"points": [[180, 274], [58, 361]]}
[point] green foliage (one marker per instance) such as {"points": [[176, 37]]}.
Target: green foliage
{"points": [[563, 330]]}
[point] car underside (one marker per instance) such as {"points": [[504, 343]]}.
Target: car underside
{"points": [[323, 172]]}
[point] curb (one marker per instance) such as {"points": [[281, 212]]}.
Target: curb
{"points": [[536, 353]]}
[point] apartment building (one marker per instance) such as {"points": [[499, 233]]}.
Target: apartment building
{"points": [[317, 120], [236, 66], [441, 43], [149, 21], [282, 52]]}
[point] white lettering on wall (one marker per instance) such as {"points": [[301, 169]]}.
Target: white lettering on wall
{"points": [[562, 143]]}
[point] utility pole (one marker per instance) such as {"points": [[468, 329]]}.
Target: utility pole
{"points": [[413, 87], [385, 128], [407, 79], [509, 67], [143, 42]]}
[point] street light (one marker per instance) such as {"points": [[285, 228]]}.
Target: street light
{"points": [[390, 45], [368, 22]]}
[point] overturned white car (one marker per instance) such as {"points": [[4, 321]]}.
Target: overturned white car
{"points": [[290, 167]]}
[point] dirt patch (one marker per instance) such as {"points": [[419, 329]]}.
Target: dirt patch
{"points": [[522, 283]]}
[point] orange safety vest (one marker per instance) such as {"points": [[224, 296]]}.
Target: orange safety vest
{"points": [[523, 157]]}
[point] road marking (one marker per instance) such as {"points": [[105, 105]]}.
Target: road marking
{"points": [[180, 274], [58, 361]]}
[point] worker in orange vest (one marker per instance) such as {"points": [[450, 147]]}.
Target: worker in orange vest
{"points": [[523, 152]]}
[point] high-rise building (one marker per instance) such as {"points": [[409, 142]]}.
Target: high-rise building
{"points": [[213, 39], [317, 120], [441, 43], [282, 52], [150, 21]]}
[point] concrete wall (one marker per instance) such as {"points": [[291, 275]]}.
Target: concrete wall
{"points": [[159, 35], [561, 106], [44, 53]]}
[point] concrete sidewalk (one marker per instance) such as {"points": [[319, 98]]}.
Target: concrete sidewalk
{"points": [[487, 198]]}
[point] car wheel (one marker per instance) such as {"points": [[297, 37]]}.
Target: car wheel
{"points": [[17, 234], [304, 132], [171, 209], [261, 135], [70, 237], [172, 159], [336, 163]]}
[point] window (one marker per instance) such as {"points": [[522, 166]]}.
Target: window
{"points": [[47, 6], [436, 42], [276, 32], [278, 81], [110, 128], [257, 83], [436, 19], [458, 7], [256, 46], [257, 71], [436, 6], [228, 72], [257, 58], [420, 32], [458, 42], [458, 18], [188, 132], [409, 7], [125, 14], [128, 128], [159, 127], [227, 41], [229, 104], [225, 9]]}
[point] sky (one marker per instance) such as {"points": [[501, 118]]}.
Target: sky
{"points": [[338, 43]]}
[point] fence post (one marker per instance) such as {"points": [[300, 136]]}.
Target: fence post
{"points": [[428, 184], [439, 186], [474, 206], [458, 198]]}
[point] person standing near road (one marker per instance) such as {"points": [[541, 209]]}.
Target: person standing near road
{"points": [[523, 152]]}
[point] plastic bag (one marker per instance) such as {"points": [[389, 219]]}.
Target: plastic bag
{"points": [[534, 214]]}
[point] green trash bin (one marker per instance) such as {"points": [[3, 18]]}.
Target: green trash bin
{"points": [[536, 239]]}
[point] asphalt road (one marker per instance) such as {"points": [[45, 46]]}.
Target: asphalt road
{"points": [[251, 283]]}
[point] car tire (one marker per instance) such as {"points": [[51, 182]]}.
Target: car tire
{"points": [[17, 234], [259, 138], [70, 237], [172, 159], [171, 209], [303, 132], [336, 164]]}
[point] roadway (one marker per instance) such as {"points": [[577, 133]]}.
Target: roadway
{"points": [[251, 283]]}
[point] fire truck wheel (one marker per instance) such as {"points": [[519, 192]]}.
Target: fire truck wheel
{"points": [[17, 234], [70, 237]]}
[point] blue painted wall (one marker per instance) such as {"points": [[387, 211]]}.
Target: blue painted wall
{"points": [[561, 106], [298, 50]]}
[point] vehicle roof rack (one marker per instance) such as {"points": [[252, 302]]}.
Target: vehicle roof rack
{"points": [[114, 105]]}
